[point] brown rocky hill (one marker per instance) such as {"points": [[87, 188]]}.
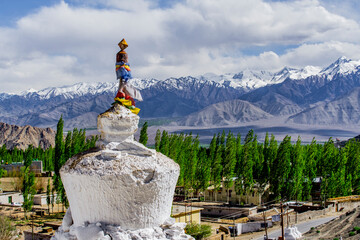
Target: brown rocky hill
{"points": [[340, 227], [22, 136]]}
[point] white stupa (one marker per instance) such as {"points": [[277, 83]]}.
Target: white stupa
{"points": [[121, 189]]}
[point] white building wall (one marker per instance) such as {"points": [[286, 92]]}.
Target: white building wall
{"points": [[40, 199], [14, 197]]}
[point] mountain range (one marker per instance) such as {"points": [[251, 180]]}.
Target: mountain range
{"points": [[308, 96]]}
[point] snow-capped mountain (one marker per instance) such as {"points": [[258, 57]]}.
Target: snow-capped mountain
{"points": [[249, 80], [177, 97], [285, 92], [295, 74], [246, 79], [72, 91], [4, 96], [342, 66], [82, 89]]}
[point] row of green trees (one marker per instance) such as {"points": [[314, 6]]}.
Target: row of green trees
{"points": [[74, 143], [288, 168], [14, 155], [52, 158]]}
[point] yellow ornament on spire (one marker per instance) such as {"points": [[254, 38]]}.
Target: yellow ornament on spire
{"points": [[123, 44]]}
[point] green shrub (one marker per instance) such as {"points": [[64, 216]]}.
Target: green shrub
{"points": [[198, 231], [335, 239], [352, 234], [356, 229], [318, 231], [7, 230]]}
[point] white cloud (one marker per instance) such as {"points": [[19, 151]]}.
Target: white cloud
{"points": [[319, 54], [66, 43]]}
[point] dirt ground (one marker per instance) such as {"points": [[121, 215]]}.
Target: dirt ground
{"points": [[17, 216], [36, 223], [341, 226]]}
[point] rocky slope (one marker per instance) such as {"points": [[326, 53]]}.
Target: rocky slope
{"points": [[21, 137], [337, 228], [345, 110], [225, 113]]}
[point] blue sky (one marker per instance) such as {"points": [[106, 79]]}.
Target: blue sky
{"points": [[11, 11], [59, 42]]}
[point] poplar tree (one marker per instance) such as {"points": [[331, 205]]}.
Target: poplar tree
{"points": [[193, 157], [203, 171], [239, 166], [222, 138], [267, 159], [238, 149], [281, 167], [247, 174], [309, 172], [157, 140], [81, 140], [261, 172], [212, 149], [342, 185], [28, 156], [187, 165], [326, 164], [75, 143], [48, 195], [229, 162], [173, 147], [62, 196], [143, 134], [52, 198], [67, 147], [59, 152], [296, 179], [353, 164], [91, 143], [257, 160], [164, 143], [190, 147], [28, 190], [217, 171], [180, 159]]}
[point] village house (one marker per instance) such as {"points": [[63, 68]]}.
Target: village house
{"points": [[35, 167], [255, 197], [187, 214], [14, 198]]}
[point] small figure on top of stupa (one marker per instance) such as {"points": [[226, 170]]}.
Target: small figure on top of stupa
{"points": [[126, 92]]}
